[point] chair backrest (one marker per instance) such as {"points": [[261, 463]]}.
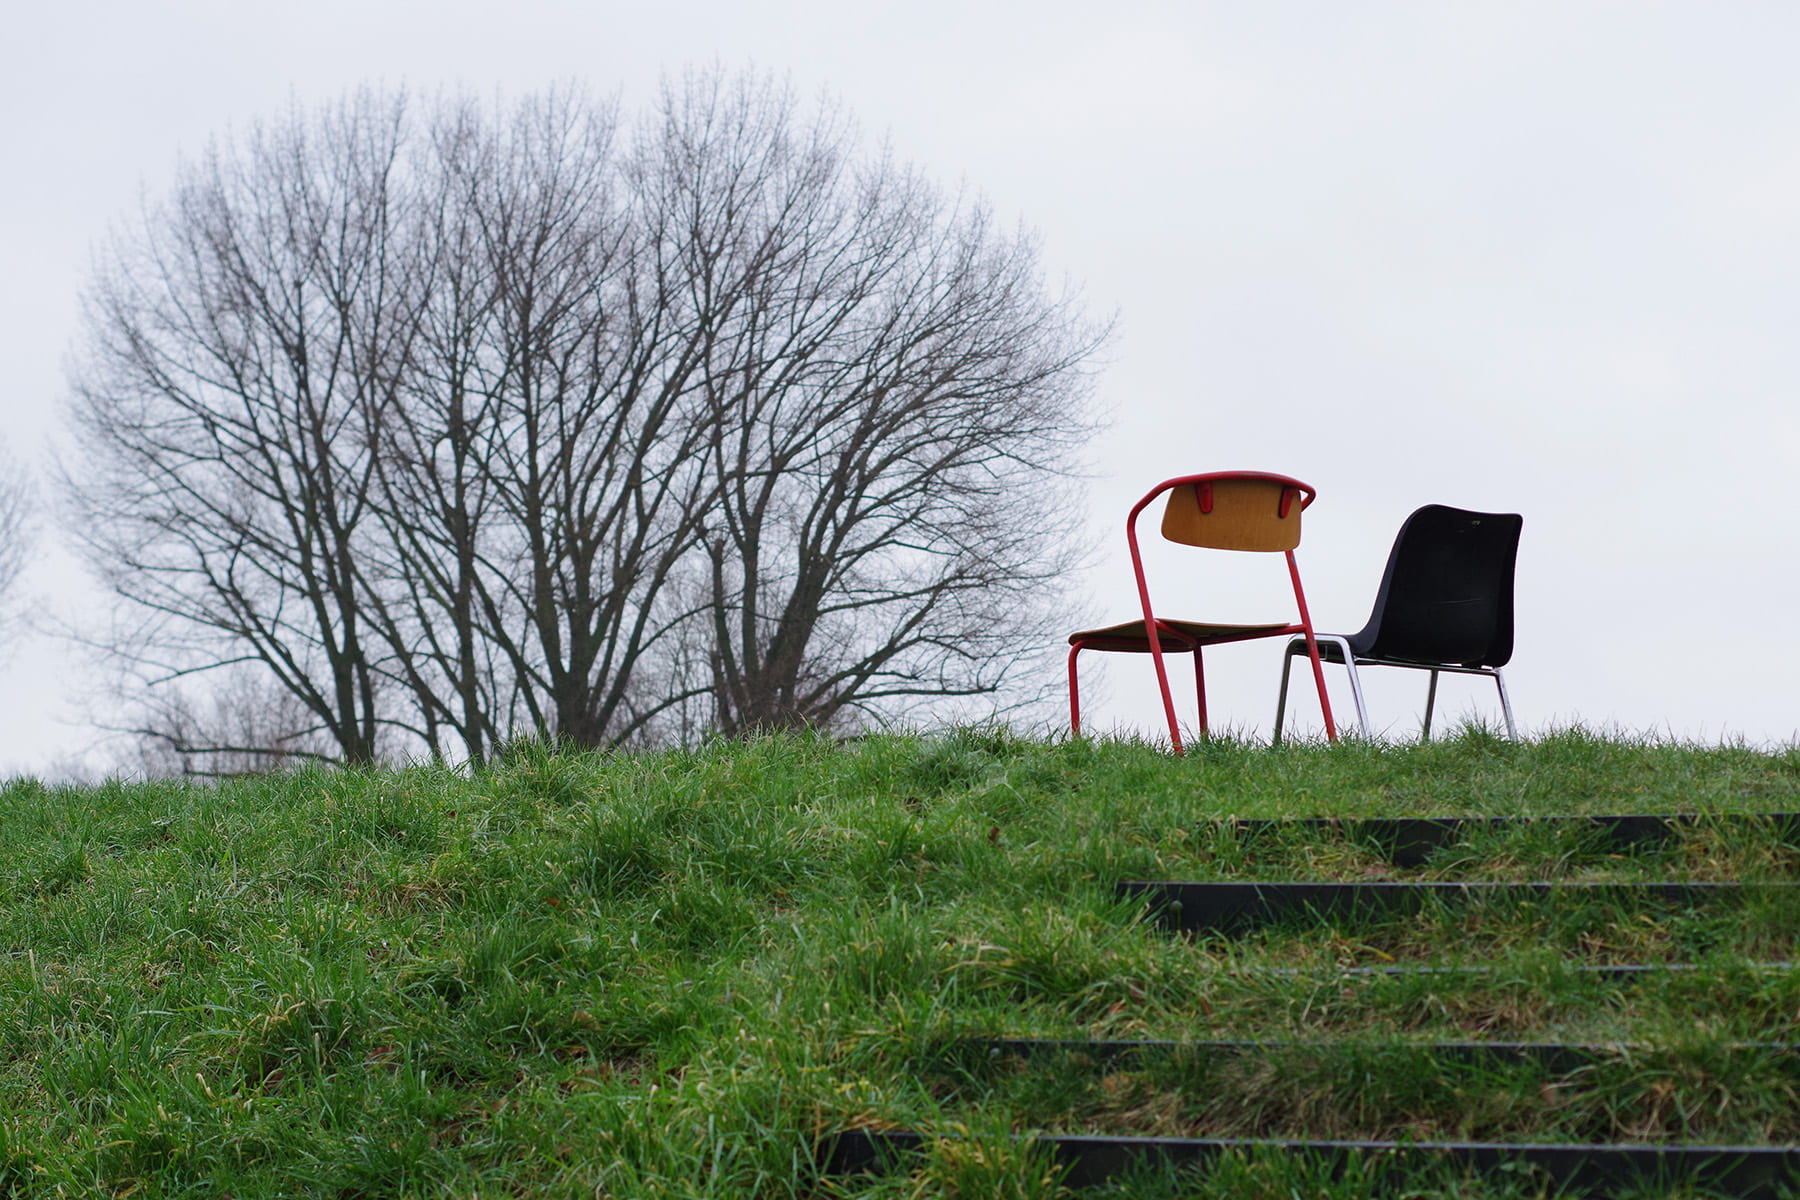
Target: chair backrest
{"points": [[1243, 511], [1447, 594]]}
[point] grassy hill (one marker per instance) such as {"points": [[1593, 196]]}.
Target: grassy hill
{"points": [[676, 974]]}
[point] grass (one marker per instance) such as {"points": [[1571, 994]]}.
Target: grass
{"points": [[669, 974]]}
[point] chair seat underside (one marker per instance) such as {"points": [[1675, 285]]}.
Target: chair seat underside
{"points": [[1131, 637]]}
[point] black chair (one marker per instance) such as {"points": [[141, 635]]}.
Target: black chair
{"points": [[1445, 604]]}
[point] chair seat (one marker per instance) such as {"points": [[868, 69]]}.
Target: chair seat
{"points": [[1130, 637], [1331, 647], [1331, 650]]}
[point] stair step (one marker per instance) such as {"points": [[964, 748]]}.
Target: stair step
{"points": [[1748, 1172], [1224, 907], [1599, 970], [1409, 841], [1555, 1057]]}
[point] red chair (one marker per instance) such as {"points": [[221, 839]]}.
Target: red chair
{"points": [[1223, 510]]}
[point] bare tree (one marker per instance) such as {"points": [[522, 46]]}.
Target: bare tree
{"points": [[891, 399], [453, 421], [241, 350], [540, 481], [246, 723], [15, 531]]}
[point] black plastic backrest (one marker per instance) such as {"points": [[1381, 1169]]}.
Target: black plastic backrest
{"points": [[1447, 594]]}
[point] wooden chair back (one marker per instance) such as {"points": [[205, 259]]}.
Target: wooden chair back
{"points": [[1234, 513]]}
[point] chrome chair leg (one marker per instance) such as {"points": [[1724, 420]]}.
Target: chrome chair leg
{"points": [[1287, 666], [1505, 705], [1297, 646], [1356, 692]]}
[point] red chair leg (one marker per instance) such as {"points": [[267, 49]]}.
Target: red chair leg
{"points": [[1162, 682], [1200, 688], [1074, 692], [1312, 648]]}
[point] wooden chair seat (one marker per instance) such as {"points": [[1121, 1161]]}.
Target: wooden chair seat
{"points": [[1130, 637]]}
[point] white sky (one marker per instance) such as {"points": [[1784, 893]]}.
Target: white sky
{"points": [[1532, 257]]}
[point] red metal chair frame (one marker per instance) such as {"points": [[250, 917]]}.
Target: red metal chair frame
{"points": [[1157, 632]]}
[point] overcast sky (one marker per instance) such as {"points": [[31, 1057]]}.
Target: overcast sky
{"points": [[1528, 257]]}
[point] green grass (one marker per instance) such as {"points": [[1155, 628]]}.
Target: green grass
{"points": [[668, 974]]}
